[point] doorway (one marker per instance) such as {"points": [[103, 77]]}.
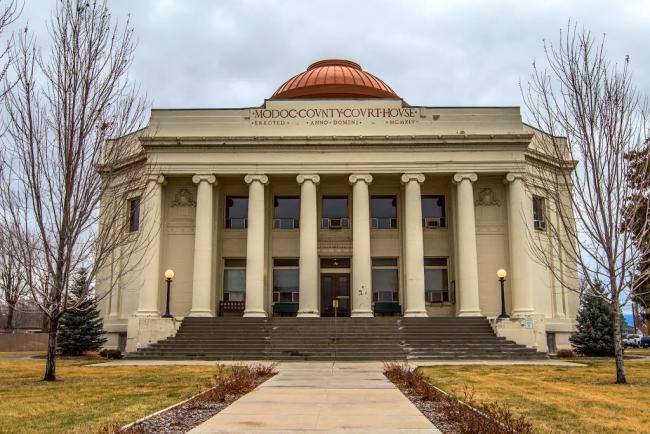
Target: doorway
{"points": [[334, 286]]}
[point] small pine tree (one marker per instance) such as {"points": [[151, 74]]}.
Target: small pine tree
{"points": [[595, 334], [81, 329]]}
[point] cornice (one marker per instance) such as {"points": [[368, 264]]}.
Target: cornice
{"points": [[335, 141]]}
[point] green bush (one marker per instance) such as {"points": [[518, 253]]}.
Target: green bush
{"points": [[565, 353], [110, 354]]}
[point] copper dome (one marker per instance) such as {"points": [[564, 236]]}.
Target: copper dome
{"points": [[334, 78]]}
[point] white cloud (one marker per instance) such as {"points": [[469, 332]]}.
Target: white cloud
{"points": [[203, 53]]}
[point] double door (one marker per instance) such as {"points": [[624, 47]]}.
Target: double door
{"points": [[334, 286]]}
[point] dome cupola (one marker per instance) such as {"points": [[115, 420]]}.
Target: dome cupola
{"points": [[334, 79]]}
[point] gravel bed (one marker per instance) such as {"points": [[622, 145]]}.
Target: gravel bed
{"points": [[431, 410], [183, 417]]}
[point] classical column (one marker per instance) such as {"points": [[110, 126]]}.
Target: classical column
{"points": [[361, 266], [255, 246], [308, 274], [413, 245], [202, 277], [520, 217], [467, 268], [151, 227], [113, 283]]}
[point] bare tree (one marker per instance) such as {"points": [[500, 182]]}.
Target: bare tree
{"points": [[13, 286], [71, 151], [9, 12], [593, 117]]}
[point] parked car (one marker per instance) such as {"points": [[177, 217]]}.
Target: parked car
{"points": [[645, 342], [633, 341]]}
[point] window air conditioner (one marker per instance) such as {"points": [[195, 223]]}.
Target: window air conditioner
{"points": [[432, 222]]}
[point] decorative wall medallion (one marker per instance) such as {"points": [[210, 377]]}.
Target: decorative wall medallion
{"points": [[486, 197], [183, 198]]}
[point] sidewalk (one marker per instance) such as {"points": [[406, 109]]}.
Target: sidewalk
{"points": [[322, 397]]}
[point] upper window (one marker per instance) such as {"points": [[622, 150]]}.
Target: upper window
{"points": [[335, 212], [286, 212], [234, 279], [436, 284], [385, 282], [433, 212], [134, 214], [236, 212], [285, 280], [383, 212], [539, 212]]}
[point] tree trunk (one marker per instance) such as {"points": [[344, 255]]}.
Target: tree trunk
{"points": [[10, 317], [618, 344], [50, 362]]}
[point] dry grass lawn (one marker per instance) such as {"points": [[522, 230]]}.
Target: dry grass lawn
{"points": [[89, 399], [559, 399]]}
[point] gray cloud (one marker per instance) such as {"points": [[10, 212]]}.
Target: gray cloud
{"points": [[203, 53]]}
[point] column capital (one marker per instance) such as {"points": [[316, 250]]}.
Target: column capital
{"points": [[308, 177], [512, 176], [210, 179], [157, 178], [261, 178], [365, 177], [408, 177], [458, 177]]}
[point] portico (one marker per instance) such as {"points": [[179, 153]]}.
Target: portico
{"points": [[354, 241], [341, 192]]}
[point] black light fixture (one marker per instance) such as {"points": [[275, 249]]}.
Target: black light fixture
{"points": [[501, 274], [169, 275]]}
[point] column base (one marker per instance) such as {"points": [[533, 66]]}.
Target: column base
{"points": [[201, 313], [254, 314], [522, 313], [470, 313], [147, 313], [416, 314], [308, 314], [362, 314]]}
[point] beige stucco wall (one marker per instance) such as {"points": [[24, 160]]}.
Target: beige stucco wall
{"points": [[490, 142]]}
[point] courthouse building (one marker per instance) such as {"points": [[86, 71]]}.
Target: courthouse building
{"points": [[337, 191]]}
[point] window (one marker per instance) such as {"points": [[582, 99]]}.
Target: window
{"points": [[384, 280], [134, 214], [383, 212], [285, 280], [433, 212], [236, 212], [436, 284], [335, 212], [286, 212], [539, 210], [234, 279]]}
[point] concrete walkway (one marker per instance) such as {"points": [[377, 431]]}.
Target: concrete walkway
{"points": [[322, 397]]}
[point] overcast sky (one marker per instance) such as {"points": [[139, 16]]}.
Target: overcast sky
{"points": [[209, 53]]}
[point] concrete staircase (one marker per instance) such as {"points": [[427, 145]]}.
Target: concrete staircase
{"points": [[379, 338]]}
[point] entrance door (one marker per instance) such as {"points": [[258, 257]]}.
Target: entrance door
{"points": [[334, 285]]}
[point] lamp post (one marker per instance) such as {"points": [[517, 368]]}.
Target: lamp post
{"points": [[169, 275], [501, 274]]}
